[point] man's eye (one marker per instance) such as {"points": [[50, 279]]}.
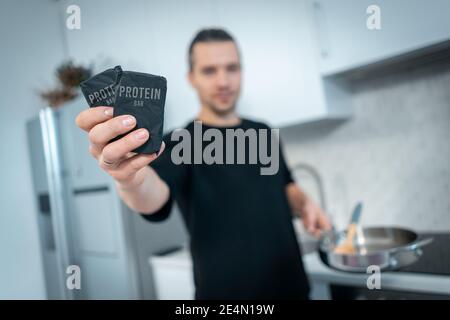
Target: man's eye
{"points": [[208, 71], [233, 68]]}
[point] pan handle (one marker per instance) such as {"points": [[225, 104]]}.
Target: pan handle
{"points": [[415, 246]]}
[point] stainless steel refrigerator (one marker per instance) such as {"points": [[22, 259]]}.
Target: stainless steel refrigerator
{"points": [[82, 222]]}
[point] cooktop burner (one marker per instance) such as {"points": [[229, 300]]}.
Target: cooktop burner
{"points": [[436, 255]]}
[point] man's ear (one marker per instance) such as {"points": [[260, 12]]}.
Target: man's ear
{"points": [[190, 76]]}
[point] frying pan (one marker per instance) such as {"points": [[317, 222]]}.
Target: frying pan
{"points": [[389, 248]]}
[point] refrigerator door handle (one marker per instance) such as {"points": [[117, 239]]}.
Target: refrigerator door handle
{"points": [[53, 163]]}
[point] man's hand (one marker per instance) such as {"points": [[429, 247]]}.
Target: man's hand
{"points": [[313, 217], [116, 157]]}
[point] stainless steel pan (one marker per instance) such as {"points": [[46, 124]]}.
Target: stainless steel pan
{"points": [[388, 248]]}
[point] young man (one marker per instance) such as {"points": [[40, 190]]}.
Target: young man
{"points": [[242, 239]]}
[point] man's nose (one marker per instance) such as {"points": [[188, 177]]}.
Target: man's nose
{"points": [[223, 79]]}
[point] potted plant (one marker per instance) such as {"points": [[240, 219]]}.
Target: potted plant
{"points": [[69, 78]]}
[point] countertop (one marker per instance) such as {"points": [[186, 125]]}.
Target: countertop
{"points": [[323, 275], [417, 282]]}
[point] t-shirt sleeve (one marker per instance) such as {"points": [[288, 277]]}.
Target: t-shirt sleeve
{"points": [[174, 175], [284, 172], [160, 215], [284, 169]]}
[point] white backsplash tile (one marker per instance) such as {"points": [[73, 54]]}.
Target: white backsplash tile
{"points": [[393, 154]]}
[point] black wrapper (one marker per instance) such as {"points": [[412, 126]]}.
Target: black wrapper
{"points": [[99, 90], [143, 96]]}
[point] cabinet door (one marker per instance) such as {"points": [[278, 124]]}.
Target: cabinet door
{"points": [[406, 25], [281, 82], [173, 282]]}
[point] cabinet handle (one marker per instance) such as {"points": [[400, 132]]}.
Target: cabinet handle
{"points": [[322, 30]]}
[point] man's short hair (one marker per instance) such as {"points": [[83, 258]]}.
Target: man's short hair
{"points": [[208, 35]]}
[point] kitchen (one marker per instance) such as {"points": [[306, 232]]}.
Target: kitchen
{"points": [[363, 118]]}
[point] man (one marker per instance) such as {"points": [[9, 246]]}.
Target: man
{"points": [[242, 239]]}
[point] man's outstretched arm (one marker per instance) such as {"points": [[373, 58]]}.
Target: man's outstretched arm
{"points": [[138, 185]]}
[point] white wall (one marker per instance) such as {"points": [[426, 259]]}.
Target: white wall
{"points": [[31, 47]]}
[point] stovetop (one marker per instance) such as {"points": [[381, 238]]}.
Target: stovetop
{"points": [[436, 255]]}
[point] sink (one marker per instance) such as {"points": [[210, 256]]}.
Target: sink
{"points": [[309, 246]]}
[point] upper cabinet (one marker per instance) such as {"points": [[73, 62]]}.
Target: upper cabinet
{"points": [[346, 42], [281, 79]]}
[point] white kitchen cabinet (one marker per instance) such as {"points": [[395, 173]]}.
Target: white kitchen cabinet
{"points": [[173, 276], [281, 78], [406, 25]]}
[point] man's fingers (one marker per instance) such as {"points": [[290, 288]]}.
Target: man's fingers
{"points": [[323, 222], [116, 151], [102, 133], [320, 224], [308, 221], [89, 118], [161, 150], [127, 168], [94, 151]]}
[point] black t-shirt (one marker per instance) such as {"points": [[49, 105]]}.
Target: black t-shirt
{"points": [[242, 240]]}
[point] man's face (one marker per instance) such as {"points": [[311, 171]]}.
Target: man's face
{"points": [[216, 75]]}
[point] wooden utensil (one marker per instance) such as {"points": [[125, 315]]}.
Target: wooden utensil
{"points": [[347, 246]]}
